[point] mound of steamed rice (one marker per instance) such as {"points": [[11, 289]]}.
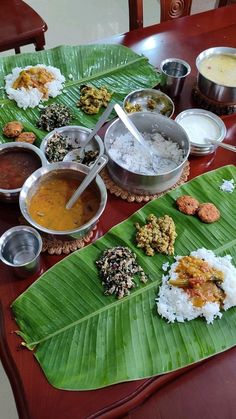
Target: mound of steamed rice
{"points": [[174, 304], [29, 98]]}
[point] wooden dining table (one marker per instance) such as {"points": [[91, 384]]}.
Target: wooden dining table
{"points": [[203, 390]]}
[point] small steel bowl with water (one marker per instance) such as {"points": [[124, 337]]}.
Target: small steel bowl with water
{"points": [[77, 135], [74, 171], [12, 195], [150, 123], [209, 88], [150, 100]]}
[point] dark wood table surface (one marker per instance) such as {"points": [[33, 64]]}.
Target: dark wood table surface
{"points": [[205, 390]]}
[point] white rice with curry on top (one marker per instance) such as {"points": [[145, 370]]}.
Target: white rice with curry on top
{"points": [[31, 84], [199, 285]]}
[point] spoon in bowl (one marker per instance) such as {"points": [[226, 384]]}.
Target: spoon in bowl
{"points": [[223, 145], [99, 124], [98, 165]]}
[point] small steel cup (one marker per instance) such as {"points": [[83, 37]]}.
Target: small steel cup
{"points": [[20, 249], [175, 72]]}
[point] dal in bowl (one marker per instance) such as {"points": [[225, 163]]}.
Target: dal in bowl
{"points": [[44, 196]]}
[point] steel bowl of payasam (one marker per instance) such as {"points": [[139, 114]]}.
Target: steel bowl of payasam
{"points": [[217, 74]]}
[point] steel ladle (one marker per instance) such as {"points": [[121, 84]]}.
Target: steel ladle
{"points": [[98, 165]]}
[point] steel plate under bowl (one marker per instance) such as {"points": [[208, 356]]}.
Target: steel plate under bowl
{"points": [[200, 124], [217, 92]]}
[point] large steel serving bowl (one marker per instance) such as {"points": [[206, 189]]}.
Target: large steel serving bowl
{"points": [[12, 195], [72, 170], [146, 122], [78, 135], [218, 92]]}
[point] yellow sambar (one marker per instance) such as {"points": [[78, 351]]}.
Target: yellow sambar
{"points": [[47, 207]]}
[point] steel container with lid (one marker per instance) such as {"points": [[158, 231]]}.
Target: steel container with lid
{"points": [[201, 125]]}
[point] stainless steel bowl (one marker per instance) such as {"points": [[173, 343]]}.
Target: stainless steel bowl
{"points": [[74, 170], [12, 195], [146, 122], [164, 104], [209, 88], [199, 125], [78, 136]]}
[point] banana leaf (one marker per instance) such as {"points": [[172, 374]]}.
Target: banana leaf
{"points": [[117, 67], [86, 340]]}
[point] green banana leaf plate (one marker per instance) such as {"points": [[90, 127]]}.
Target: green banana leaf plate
{"points": [[117, 67], [85, 340]]}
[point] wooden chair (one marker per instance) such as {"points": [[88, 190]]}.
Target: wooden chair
{"points": [[170, 9], [20, 25]]}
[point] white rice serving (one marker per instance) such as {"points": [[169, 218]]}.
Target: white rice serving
{"points": [[165, 155], [174, 304], [29, 98]]}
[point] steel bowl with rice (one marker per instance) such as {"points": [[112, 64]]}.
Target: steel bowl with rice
{"points": [[70, 171], [131, 167]]}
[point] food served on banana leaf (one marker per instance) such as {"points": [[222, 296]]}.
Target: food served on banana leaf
{"points": [[47, 206], [117, 268], [92, 99], [54, 116], [158, 235], [199, 285], [12, 129], [206, 212], [26, 137], [227, 185], [29, 85], [187, 204]]}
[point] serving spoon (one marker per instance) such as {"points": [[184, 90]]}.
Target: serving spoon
{"points": [[99, 124], [98, 165], [133, 130], [223, 145]]}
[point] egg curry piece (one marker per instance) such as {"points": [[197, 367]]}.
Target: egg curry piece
{"points": [[47, 207], [199, 280], [34, 77]]}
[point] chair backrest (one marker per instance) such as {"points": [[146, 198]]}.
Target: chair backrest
{"points": [[170, 9]]}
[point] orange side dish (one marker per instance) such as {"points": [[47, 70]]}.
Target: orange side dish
{"points": [[34, 78], [201, 282]]}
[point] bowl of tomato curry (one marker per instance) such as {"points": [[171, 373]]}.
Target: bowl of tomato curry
{"points": [[18, 160]]}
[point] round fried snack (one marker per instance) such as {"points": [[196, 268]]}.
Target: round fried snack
{"points": [[12, 129], [208, 213], [187, 204], [26, 137]]}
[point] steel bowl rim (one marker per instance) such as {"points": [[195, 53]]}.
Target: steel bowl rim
{"points": [[21, 144], [178, 60], [55, 167], [61, 129], [211, 115], [20, 228], [151, 91], [139, 174], [214, 51]]}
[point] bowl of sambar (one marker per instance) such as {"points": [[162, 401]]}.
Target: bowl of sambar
{"points": [[44, 196]]}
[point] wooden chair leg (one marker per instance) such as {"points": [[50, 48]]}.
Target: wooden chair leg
{"points": [[17, 50], [39, 42], [135, 14], [222, 3]]}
